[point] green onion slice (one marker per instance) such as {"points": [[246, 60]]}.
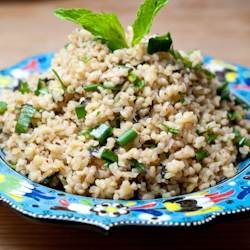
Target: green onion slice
{"points": [[238, 100], [211, 138], [86, 59], [125, 67], [108, 155], [140, 166], [80, 111], [48, 179], [183, 101], [240, 143], [3, 107], [24, 119], [93, 87], [101, 132], [59, 79], [201, 154], [126, 137], [222, 88]]}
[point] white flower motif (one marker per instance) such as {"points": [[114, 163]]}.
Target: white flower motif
{"points": [[20, 73], [152, 218], [108, 209]]}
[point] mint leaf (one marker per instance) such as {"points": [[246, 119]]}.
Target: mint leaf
{"points": [[106, 26], [159, 43], [145, 16], [24, 89]]}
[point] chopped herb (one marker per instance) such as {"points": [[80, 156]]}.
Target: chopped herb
{"points": [[74, 89], [66, 45], [191, 52], [64, 179], [159, 43], [184, 103], [80, 169], [126, 137], [125, 67], [172, 103], [233, 116], [139, 84], [86, 59], [225, 96], [145, 16], [118, 121], [209, 84], [167, 155], [245, 107], [48, 179], [247, 143], [198, 119], [236, 132], [40, 89], [101, 132], [24, 119], [24, 88], [211, 138], [171, 130], [93, 87], [202, 133], [238, 100], [80, 111], [240, 143], [201, 154], [222, 88], [3, 107], [59, 79], [96, 38], [107, 164], [149, 145], [114, 88], [85, 132], [98, 113], [138, 165], [108, 155], [13, 166], [18, 108]]}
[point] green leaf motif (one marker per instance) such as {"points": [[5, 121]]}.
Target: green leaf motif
{"points": [[86, 202], [145, 16]]}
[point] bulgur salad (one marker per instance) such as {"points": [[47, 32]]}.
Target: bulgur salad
{"points": [[123, 116]]}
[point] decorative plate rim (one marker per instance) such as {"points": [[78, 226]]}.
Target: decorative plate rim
{"points": [[195, 209]]}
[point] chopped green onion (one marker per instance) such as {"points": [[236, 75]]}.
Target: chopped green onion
{"points": [[93, 87], [24, 119], [139, 84], [44, 90], [190, 52], [225, 96], [247, 143], [245, 107], [126, 137], [172, 103], [64, 178], [101, 132], [108, 155], [140, 166], [114, 88], [233, 116], [211, 138], [48, 179], [3, 107], [198, 119], [123, 66], [222, 88], [174, 131], [80, 111], [85, 132], [236, 132], [159, 43], [201, 154], [13, 166], [208, 73], [24, 89], [40, 89], [118, 121], [238, 100], [18, 108], [107, 163], [167, 155], [66, 45], [98, 113], [240, 143], [202, 133], [149, 145], [59, 79], [184, 103], [86, 59]]}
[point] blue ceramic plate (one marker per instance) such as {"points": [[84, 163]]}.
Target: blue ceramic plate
{"points": [[46, 204]]}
